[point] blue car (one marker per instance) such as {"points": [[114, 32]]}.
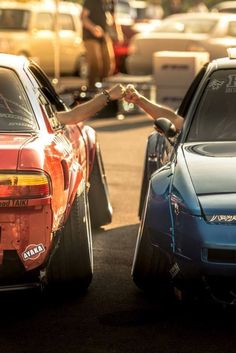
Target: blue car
{"points": [[187, 234]]}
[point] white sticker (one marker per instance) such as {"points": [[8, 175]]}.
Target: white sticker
{"points": [[33, 251]]}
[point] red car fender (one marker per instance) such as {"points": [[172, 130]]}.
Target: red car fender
{"points": [[91, 145], [80, 170]]}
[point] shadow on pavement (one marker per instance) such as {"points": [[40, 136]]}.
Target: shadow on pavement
{"points": [[120, 125]]}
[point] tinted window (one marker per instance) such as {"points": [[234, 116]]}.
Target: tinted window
{"points": [[228, 10], [14, 19], [215, 117], [44, 21], [15, 111], [66, 22]]}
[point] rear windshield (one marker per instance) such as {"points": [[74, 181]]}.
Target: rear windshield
{"points": [[215, 117], [14, 19], [15, 112]]}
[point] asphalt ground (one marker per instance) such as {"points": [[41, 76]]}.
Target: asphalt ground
{"points": [[113, 316]]}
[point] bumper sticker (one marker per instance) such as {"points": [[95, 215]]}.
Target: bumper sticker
{"points": [[33, 251]]}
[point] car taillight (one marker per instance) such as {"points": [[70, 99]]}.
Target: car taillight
{"points": [[14, 185]]}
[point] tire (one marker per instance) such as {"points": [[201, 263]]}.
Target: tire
{"points": [[151, 164], [71, 263], [99, 200], [150, 270], [144, 188], [156, 148]]}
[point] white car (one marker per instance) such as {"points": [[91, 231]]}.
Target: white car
{"points": [[29, 29], [208, 32]]}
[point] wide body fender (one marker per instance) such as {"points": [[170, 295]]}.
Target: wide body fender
{"points": [[157, 214], [91, 138]]}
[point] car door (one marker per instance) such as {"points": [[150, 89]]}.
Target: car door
{"points": [[70, 42], [43, 39]]}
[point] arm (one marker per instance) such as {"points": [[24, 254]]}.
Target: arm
{"points": [[96, 30], [153, 109], [118, 29], [86, 110]]}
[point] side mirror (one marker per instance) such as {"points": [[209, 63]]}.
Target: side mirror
{"points": [[166, 127]]}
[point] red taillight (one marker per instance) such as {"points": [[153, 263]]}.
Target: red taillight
{"points": [[24, 185]]}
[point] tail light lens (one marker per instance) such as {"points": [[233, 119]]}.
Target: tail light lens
{"points": [[14, 185]]}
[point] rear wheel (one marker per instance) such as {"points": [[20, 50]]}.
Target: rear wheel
{"points": [[72, 261], [99, 200], [151, 164]]}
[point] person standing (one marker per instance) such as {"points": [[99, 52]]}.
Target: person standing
{"points": [[97, 16]]}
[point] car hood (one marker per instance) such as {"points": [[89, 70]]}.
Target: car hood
{"points": [[212, 169], [10, 147]]}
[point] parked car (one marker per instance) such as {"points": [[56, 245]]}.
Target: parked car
{"points": [[186, 237], [225, 6], [45, 172], [130, 15], [210, 32], [29, 29]]}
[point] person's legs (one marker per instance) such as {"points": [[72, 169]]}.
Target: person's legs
{"points": [[95, 61], [108, 57]]}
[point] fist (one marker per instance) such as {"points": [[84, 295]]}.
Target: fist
{"points": [[116, 92], [98, 32], [131, 94]]}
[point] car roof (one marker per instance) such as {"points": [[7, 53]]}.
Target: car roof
{"points": [[44, 5], [15, 62], [224, 63], [200, 15]]}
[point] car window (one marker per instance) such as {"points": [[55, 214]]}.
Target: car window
{"points": [[15, 111], [66, 22], [46, 87], [232, 29], [229, 10], [215, 118], [188, 26], [14, 19], [44, 21], [185, 104]]}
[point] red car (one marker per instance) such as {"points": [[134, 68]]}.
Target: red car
{"points": [[52, 181]]}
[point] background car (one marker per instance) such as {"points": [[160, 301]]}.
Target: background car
{"points": [[29, 29], [186, 237], [46, 204], [225, 6], [131, 16], [209, 32]]}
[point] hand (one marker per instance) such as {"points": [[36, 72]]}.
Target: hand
{"points": [[116, 92], [131, 94], [98, 32]]}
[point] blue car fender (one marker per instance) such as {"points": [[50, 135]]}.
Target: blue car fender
{"points": [[158, 217], [170, 192], [183, 194]]}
